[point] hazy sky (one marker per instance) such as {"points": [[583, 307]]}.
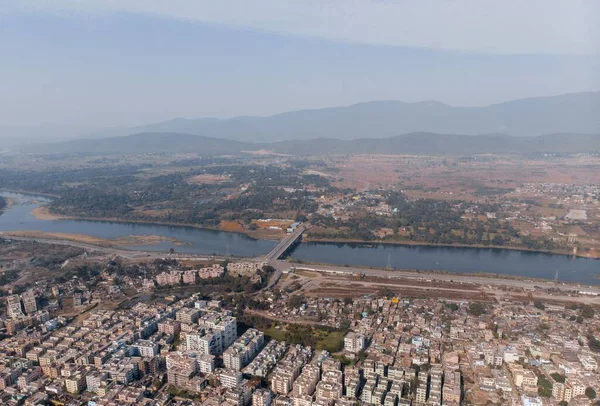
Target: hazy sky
{"points": [[124, 62]]}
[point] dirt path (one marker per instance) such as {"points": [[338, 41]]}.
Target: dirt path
{"points": [[280, 319]]}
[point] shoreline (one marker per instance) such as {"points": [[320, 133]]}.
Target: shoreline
{"points": [[303, 265], [119, 242], [123, 242], [426, 244], [42, 213]]}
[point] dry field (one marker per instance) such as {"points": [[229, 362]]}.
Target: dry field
{"points": [[454, 178], [207, 179]]}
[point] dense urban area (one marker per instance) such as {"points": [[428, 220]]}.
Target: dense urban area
{"points": [[85, 327]]}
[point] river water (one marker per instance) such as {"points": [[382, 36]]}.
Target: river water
{"points": [[201, 241]]}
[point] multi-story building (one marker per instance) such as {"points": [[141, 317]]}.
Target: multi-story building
{"points": [[588, 362], [187, 315], [206, 363], [189, 277], [144, 348], [307, 381], [170, 327], [224, 324], [578, 387], [231, 378], [421, 394], [261, 397], [328, 390], [13, 306], [28, 376], [29, 302], [354, 342], [281, 382], [204, 342], [241, 352], [451, 390], [76, 382], [94, 380]]}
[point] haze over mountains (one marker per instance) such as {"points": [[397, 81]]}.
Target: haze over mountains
{"points": [[571, 113], [567, 123], [413, 143]]}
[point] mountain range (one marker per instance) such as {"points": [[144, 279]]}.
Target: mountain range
{"points": [[570, 113]]}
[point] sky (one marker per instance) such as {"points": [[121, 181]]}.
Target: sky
{"points": [[103, 63]]}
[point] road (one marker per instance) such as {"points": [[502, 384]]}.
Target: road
{"points": [[480, 280], [284, 244]]}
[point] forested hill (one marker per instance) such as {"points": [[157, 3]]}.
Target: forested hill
{"points": [[143, 143]]}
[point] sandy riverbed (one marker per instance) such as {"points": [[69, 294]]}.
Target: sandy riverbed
{"points": [[42, 213], [88, 239]]}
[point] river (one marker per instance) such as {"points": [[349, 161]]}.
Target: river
{"points": [[201, 241]]}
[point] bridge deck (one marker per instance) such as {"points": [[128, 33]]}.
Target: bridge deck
{"points": [[285, 243]]}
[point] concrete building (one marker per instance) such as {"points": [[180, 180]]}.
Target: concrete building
{"points": [[29, 302], [13, 306], [354, 342], [243, 350], [145, 348], [206, 363], [230, 378], [261, 397]]}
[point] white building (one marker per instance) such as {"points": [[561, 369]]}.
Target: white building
{"points": [[145, 348], [354, 342], [261, 397]]}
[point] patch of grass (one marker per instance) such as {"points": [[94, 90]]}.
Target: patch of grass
{"points": [[276, 333], [332, 342]]}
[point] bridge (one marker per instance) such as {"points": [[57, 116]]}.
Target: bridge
{"points": [[288, 242]]}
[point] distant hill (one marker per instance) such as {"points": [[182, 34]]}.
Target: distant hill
{"points": [[571, 113], [444, 144], [413, 143], [144, 143]]}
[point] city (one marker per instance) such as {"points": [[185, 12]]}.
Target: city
{"points": [[381, 348], [300, 203]]}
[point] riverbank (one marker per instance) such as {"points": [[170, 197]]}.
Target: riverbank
{"points": [[425, 274], [308, 239], [42, 213], [130, 240]]}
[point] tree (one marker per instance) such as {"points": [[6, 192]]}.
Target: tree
{"points": [[590, 393], [587, 312], [476, 309], [593, 343], [539, 305], [296, 301], [544, 387], [301, 218], [563, 403], [452, 306]]}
